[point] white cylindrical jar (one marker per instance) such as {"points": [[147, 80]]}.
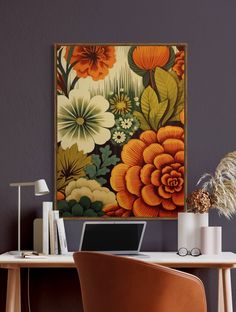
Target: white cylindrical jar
{"points": [[211, 240], [189, 225]]}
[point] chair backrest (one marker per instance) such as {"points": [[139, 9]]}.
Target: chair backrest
{"points": [[119, 284]]}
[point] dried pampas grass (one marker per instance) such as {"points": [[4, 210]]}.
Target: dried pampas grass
{"points": [[222, 185]]}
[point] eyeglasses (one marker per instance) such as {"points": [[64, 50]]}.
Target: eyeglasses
{"points": [[195, 252]]}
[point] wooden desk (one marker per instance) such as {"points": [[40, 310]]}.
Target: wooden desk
{"points": [[224, 263]]}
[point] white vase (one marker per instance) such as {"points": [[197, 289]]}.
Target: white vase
{"points": [[189, 225]]}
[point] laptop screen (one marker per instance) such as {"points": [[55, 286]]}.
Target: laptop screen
{"points": [[112, 236]]}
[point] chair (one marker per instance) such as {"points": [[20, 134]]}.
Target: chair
{"points": [[119, 284]]}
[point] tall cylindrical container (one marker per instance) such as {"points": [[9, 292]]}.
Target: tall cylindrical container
{"points": [[189, 225], [186, 230]]}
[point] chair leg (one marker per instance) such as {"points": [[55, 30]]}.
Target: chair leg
{"points": [[13, 303]]}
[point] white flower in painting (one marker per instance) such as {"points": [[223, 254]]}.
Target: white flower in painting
{"points": [[126, 123], [136, 99], [83, 120], [119, 136]]}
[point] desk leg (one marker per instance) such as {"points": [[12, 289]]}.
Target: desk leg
{"points": [[227, 290], [221, 307], [13, 303]]}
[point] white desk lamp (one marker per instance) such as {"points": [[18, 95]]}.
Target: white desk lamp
{"points": [[40, 188]]}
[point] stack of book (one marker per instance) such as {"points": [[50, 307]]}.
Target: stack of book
{"points": [[53, 236]]}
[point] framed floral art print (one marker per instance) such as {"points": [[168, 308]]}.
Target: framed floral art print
{"points": [[120, 130]]}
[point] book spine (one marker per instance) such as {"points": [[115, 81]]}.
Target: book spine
{"points": [[62, 236], [38, 235], [47, 207], [51, 233], [55, 218]]}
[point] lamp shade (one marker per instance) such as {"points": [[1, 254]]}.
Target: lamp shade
{"points": [[40, 187]]}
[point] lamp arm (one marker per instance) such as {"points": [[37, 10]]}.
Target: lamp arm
{"points": [[22, 184]]}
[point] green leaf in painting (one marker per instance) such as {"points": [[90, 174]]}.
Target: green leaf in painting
{"points": [[61, 70], [113, 160], [167, 88], [71, 49], [96, 160], [174, 75], [148, 99], [171, 60], [72, 65], [146, 79], [106, 152], [180, 85], [144, 125], [100, 164], [132, 65], [74, 82], [156, 113], [179, 108], [166, 85], [101, 180], [180, 98], [103, 171], [91, 171]]}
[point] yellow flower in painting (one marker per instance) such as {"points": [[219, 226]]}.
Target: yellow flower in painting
{"points": [[120, 104], [71, 165], [93, 61], [149, 57], [150, 181]]}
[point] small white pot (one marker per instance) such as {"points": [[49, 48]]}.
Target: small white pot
{"points": [[211, 240]]}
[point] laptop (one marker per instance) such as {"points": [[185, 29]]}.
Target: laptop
{"points": [[116, 237]]}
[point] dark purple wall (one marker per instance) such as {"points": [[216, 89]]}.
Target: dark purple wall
{"points": [[28, 30]]}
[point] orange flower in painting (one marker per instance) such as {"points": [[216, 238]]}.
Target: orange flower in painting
{"points": [[149, 57], [60, 196], [93, 61], [179, 64], [181, 116], [150, 181]]}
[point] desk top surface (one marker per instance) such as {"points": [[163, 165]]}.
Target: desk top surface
{"points": [[225, 259]]}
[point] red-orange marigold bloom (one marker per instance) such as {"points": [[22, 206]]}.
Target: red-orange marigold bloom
{"points": [[179, 64], [149, 57], [93, 61], [150, 181]]}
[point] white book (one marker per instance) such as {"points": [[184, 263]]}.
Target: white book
{"points": [[38, 235], [53, 216], [47, 207], [62, 236]]}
